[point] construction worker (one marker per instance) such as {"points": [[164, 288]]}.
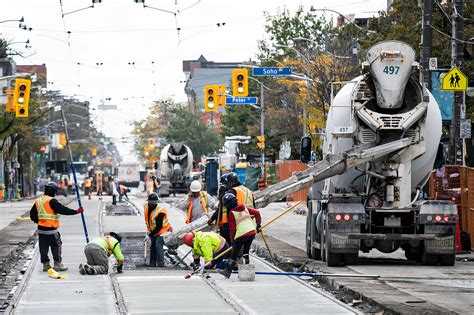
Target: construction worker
{"points": [[243, 194], [197, 202], [207, 245], [149, 184], [156, 185], [157, 224], [46, 212], [123, 190], [98, 252], [220, 216], [242, 230], [88, 187]]}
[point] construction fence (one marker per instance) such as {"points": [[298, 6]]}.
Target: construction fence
{"points": [[456, 183]]}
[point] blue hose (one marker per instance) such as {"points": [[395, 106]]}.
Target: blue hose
{"points": [[285, 273]]}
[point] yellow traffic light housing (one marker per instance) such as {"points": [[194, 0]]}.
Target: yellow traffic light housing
{"points": [[240, 82], [10, 106], [261, 142], [151, 143], [211, 98], [21, 97]]}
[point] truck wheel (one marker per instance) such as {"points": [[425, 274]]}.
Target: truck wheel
{"points": [[309, 246], [412, 253], [332, 259], [351, 259], [447, 260], [430, 259], [311, 251]]}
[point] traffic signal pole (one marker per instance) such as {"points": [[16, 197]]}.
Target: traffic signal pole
{"points": [[74, 175]]}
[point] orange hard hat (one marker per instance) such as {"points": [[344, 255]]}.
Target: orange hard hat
{"points": [[188, 239]]}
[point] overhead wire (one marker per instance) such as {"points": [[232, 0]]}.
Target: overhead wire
{"points": [[447, 35]]}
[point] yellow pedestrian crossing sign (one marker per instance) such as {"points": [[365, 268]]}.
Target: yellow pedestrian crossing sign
{"points": [[454, 80]]}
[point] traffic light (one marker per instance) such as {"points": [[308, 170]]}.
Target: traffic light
{"points": [[210, 98], [62, 140], [21, 97], [10, 106], [240, 82], [305, 148], [94, 151], [261, 142], [151, 143]]}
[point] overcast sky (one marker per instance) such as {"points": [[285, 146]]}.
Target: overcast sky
{"points": [[118, 32]]}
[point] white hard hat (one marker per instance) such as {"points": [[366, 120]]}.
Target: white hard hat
{"points": [[195, 186]]}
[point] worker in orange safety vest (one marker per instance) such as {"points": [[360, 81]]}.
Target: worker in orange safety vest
{"points": [[157, 224], [197, 203]]}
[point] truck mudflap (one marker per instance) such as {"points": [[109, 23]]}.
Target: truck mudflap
{"points": [[434, 244], [341, 243], [440, 245]]}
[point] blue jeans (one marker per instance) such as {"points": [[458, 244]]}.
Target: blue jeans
{"points": [[157, 256]]}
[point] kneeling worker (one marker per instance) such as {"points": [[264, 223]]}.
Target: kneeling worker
{"points": [[207, 245], [98, 252], [157, 224]]}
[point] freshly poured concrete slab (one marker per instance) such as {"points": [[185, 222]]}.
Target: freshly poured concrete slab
{"points": [[279, 295], [168, 292]]}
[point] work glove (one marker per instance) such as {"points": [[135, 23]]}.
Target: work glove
{"points": [[208, 267], [147, 239], [209, 222], [195, 266], [80, 210], [258, 228], [119, 268], [171, 229]]}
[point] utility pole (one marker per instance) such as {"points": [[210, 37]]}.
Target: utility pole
{"points": [[457, 59], [426, 42]]}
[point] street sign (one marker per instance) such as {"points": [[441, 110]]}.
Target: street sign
{"points": [[454, 80], [465, 129], [240, 100], [273, 71], [433, 63]]}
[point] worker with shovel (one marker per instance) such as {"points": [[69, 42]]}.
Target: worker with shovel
{"points": [[207, 245], [46, 212], [242, 230], [157, 224], [98, 252]]}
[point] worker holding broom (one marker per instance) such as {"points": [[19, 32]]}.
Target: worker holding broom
{"points": [[207, 245], [242, 230]]}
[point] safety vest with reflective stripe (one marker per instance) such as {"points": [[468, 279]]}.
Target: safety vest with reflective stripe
{"points": [[203, 198], [150, 220], [46, 215], [243, 222], [203, 241], [244, 196], [222, 219]]}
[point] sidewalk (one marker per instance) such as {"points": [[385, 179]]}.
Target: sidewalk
{"points": [[10, 211], [78, 294]]}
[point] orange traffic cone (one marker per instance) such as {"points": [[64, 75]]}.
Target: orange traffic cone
{"points": [[458, 238]]}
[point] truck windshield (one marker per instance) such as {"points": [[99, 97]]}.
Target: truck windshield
{"points": [[81, 168]]}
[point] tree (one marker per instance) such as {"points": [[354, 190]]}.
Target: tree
{"points": [[173, 122]]}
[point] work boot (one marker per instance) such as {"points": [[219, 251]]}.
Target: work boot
{"points": [[90, 270], [82, 271], [58, 266], [228, 269], [246, 258], [46, 266]]}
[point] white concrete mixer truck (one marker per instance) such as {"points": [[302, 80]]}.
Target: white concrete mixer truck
{"points": [[176, 164], [382, 136]]}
